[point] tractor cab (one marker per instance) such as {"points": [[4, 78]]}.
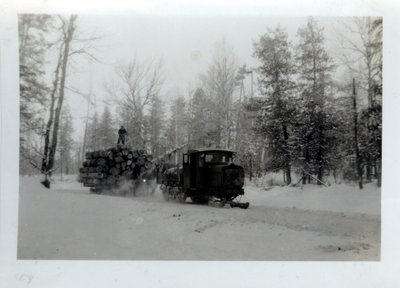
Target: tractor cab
{"points": [[206, 176], [203, 169]]}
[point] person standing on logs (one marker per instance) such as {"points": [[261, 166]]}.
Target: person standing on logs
{"points": [[121, 135]]}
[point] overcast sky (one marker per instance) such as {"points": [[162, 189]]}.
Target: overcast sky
{"points": [[185, 44]]}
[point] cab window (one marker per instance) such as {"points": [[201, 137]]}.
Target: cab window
{"points": [[221, 158], [201, 160]]}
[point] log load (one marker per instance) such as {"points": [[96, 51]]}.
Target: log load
{"points": [[114, 166]]}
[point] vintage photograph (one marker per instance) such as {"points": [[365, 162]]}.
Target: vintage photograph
{"points": [[200, 138]]}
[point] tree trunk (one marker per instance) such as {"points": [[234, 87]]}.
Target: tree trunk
{"points": [[358, 160], [288, 176], [370, 92], [369, 168], [306, 160], [287, 164], [320, 173], [45, 159], [378, 167], [251, 169], [67, 41], [304, 177]]}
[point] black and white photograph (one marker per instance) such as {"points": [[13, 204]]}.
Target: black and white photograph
{"points": [[208, 138], [193, 140]]}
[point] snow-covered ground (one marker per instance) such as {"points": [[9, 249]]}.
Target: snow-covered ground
{"points": [[338, 222]]}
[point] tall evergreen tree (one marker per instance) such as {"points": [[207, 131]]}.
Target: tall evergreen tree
{"points": [[203, 126], [33, 89], [277, 86], [106, 131], [66, 142], [93, 135], [315, 67], [251, 141], [32, 48]]}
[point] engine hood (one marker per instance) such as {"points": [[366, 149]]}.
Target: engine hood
{"points": [[233, 175], [227, 175]]}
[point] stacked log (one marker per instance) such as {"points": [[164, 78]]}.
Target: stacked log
{"points": [[111, 167]]}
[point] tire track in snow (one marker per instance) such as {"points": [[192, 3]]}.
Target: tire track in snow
{"points": [[359, 226]]}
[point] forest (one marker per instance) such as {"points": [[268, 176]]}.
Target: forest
{"points": [[291, 113]]}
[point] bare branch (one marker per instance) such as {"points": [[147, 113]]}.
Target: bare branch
{"points": [[76, 91]]}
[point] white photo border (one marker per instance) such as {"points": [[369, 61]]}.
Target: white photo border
{"points": [[43, 274]]}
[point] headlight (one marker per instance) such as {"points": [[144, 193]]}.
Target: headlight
{"points": [[144, 180]]}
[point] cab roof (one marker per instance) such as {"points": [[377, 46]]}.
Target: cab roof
{"points": [[201, 150]]}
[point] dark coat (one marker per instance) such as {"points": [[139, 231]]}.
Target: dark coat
{"points": [[122, 131]]}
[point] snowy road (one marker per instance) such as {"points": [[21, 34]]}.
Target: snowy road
{"points": [[316, 223]]}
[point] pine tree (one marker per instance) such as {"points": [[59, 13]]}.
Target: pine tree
{"points": [[202, 121], [33, 89], [93, 135], [33, 44], [106, 133], [276, 84], [314, 70], [66, 143], [250, 145]]}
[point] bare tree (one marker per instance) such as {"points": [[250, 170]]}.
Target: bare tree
{"points": [[49, 125], [133, 90], [362, 46], [219, 84], [68, 30]]}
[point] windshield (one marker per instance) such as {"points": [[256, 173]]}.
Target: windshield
{"points": [[217, 157]]}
